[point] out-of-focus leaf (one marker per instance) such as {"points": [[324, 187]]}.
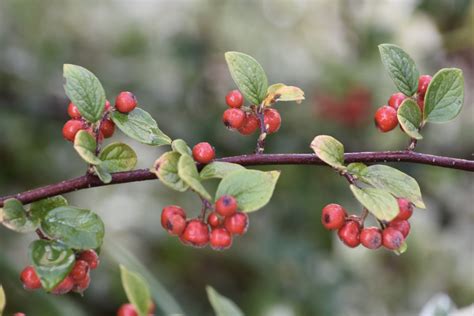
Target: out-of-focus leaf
{"points": [[137, 290], [222, 305]]}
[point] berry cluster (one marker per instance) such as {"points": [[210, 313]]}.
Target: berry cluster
{"points": [[386, 116], [352, 232], [124, 103], [245, 119], [129, 310], [221, 224], [77, 280]]}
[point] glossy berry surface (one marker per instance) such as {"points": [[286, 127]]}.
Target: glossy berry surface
{"points": [[127, 310], [386, 118], [107, 128], [125, 102], [71, 128], [169, 211], [401, 225], [272, 120], [333, 216], [350, 234], [226, 205], [64, 287], [396, 100], [237, 224], [213, 219], [220, 239], [423, 83], [250, 124], [73, 111], [234, 99], [91, 257], [203, 152], [30, 279], [195, 234], [392, 238], [371, 237], [405, 209], [80, 270], [233, 118]]}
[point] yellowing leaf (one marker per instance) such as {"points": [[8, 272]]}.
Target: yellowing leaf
{"points": [[281, 92]]}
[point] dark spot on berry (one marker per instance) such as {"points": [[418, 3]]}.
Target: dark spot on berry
{"points": [[169, 225], [327, 218], [226, 200]]}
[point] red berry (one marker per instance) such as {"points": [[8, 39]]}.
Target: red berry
{"points": [[79, 271], [195, 234], [234, 99], [71, 128], [405, 209], [220, 239], [333, 216], [420, 100], [168, 212], [107, 128], [371, 237], [107, 106], [392, 238], [82, 285], [19, 314], [250, 124], [233, 118], [213, 219], [203, 152], [226, 205], [30, 279], [176, 224], [73, 111], [350, 234], [396, 100], [64, 287], [423, 83], [237, 224], [401, 225], [272, 120], [91, 257], [386, 118], [125, 102], [127, 310]]}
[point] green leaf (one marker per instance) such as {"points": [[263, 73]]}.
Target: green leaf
{"points": [[166, 169], [409, 117], [180, 146], [76, 228], [15, 217], [137, 290], [248, 75], [222, 305], [85, 91], [188, 172], [118, 157], [357, 169], [52, 262], [39, 209], [400, 67], [218, 169], [85, 146], [103, 174], [253, 189], [329, 150], [140, 126], [394, 181], [3, 300], [445, 96], [379, 202]]}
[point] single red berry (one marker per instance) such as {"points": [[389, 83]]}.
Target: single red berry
{"points": [[405, 209], [401, 225], [127, 310], [79, 271], [91, 257], [333, 216], [423, 83], [30, 279], [19, 314], [350, 234], [107, 106], [220, 239], [237, 223], [420, 100], [371, 237], [73, 111], [195, 234], [392, 238], [125, 102], [71, 128], [176, 224], [396, 100], [64, 287], [81, 285], [233, 118], [213, 219], [168, 212], [107, 128], [272, 120], [203, 152], [250, 124], [234, 99], [226, 205], [386, 118]]}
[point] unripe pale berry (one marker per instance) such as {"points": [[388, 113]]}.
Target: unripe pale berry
{"points": [[392, 238], [195, 234], [107, 128], [127, 310], [350, 234], [64, 287], [401, 225], [203, 152], [272, 120], [386, 118], [371, 237], [73, 111], [71, 128], [396, 100], [168, 211], [220, 239], [250, 124], [423, 83], [79, 271], [125, 102], [213, 219], [226, 205], [237, 223], [30, 279], [233, 118], [333, 216], [234, 99], [91, 257], [107, 106], [405, 209]]}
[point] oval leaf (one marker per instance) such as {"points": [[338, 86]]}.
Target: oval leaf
{"points": [[281, 92], [85, 91], [181, 147], [248, 75], [85, 146], [409, 117], [52, 262], [15, 217], [329, 150], [140, 126], [222, 305], [166, 169], [445, 96], [188, 172], [219, 169], [76, 228], [379, 202], [137, 290], [118, 157], [253, 189], [40, 208]]}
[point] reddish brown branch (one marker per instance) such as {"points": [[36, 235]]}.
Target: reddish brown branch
{"points": [[89, 181]]}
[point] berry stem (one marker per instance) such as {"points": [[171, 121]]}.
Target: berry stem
{"points": [[206, 205], [412, 144], [263, 130], [41, 235]]}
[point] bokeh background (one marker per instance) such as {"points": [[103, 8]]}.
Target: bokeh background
{"points": [[170, 54]]}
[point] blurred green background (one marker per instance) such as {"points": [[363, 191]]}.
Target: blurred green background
{"points": [[170, 54]]}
